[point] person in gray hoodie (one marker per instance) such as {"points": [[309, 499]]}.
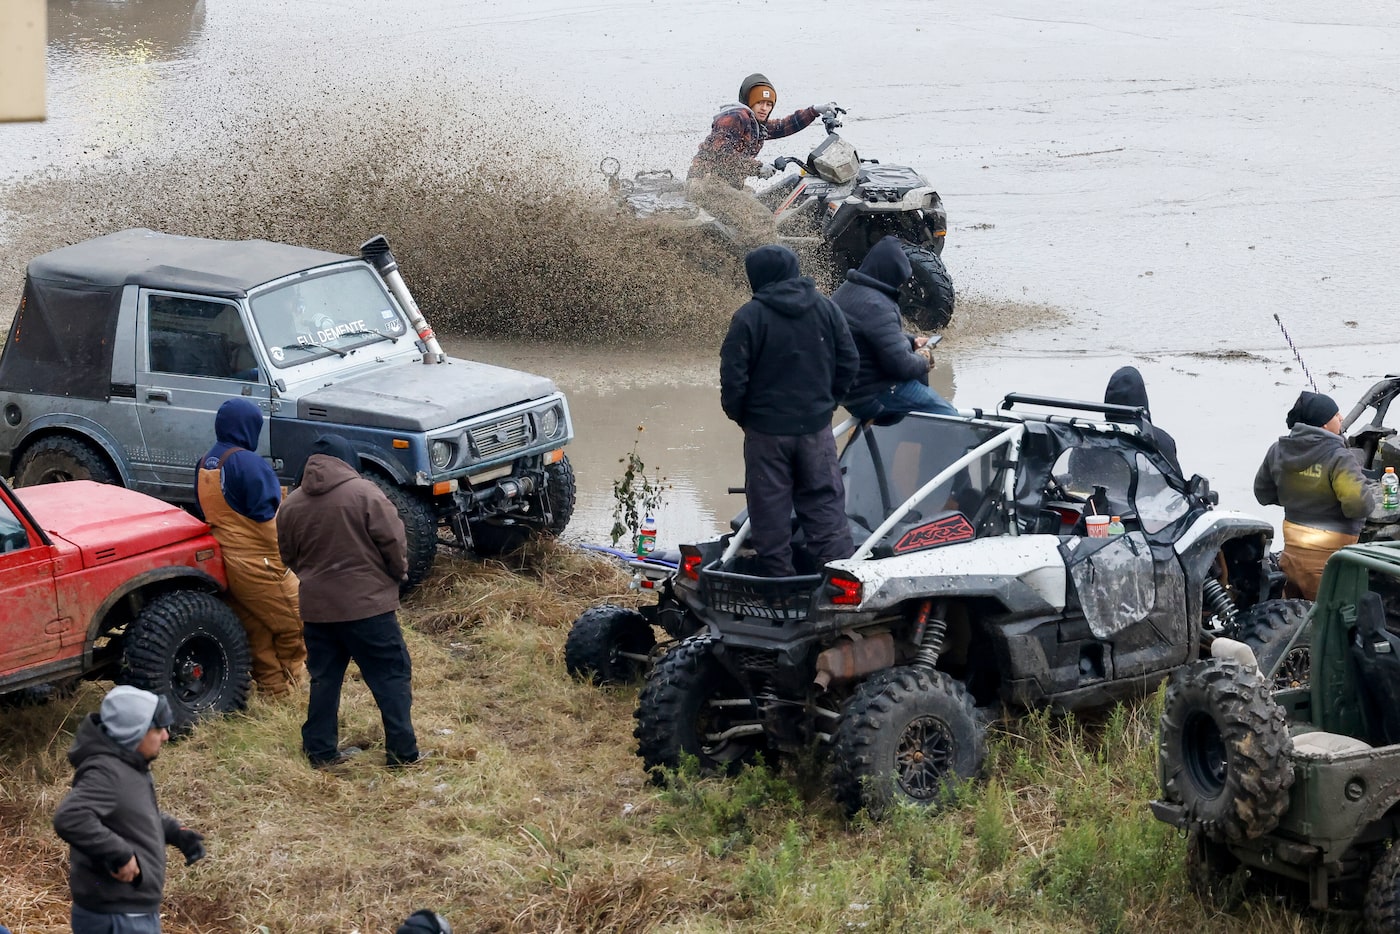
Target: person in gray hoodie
{"points": [[115, 832], [1318, 481]]}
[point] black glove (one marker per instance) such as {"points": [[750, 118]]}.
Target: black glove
{"points": [[191, 843]]}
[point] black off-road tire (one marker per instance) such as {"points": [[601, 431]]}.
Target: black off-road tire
{"points": [[190, 647], [674, 713], [492, 541], [598, 639], [1218, 879], [63, 457], [905, 736], [419, 526], [1267, 628], [563, 493], [1223, 750], [1382, 911], [927, 299]]}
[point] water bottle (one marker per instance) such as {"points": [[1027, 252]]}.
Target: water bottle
{"points": [[1115, 526], [646, 537], [1390, 490]]}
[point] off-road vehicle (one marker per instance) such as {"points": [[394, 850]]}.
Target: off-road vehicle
{"points": [[1303, 783], [124, 347], [974, 586], [1377, 449], [101, 582]]}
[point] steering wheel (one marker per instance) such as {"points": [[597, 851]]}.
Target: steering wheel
{"points": [[1057, 491]]}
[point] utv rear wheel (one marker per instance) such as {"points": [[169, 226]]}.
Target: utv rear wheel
{"points": [[610, 644], [1267, 628], [62, 457], [490, 540], [1383, 894], [419, 526], [906, 736], [927, 299], [692, 706], [189, 646], [1222, 753], [1216, 876]]}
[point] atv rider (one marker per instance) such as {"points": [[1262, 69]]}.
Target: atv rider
{"points": [[727, 157]]}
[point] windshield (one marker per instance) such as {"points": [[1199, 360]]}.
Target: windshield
{"points": [[885, 465], [331, 313]]}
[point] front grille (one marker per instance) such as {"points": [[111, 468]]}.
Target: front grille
{"points": [[501, 437], [753, 660]]}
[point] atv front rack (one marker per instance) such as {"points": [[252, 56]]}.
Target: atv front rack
{"points": [[780, 599]]}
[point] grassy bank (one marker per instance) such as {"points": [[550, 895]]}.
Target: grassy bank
{"points": [[536, 817]]}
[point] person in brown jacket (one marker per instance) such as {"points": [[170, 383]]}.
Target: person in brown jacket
{"points": [[346, 543]]}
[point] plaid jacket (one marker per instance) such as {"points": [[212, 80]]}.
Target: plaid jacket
{"points": [[735, 138]]}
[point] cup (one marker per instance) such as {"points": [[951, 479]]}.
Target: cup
{"points": [[1097, 525]]}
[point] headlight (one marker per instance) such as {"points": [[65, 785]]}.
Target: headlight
{"points": [[441, 454], [551, 424]]}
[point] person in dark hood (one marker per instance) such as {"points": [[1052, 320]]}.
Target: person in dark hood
{"points": [[238, 494], [787, 359], [1319, 482], [1125, 387], [344, 539], [425, 921], [894, 365], [116, 833]]}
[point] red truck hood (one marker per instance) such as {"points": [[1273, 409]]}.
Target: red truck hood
{"points": [[107, 522]]}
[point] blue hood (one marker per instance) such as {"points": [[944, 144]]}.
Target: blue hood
{"points": [[238, 423], [249, 484]]}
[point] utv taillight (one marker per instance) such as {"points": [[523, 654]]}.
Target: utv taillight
{"points": [[690, 563], [844, 591]]}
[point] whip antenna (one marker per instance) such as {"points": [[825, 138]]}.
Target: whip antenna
{"points": [[1296, 356]]}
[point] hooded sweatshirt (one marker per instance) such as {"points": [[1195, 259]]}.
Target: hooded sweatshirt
{"points": [[869, 298], [249, 483], [109, 815], [1125, 387], [788, 357], [1315, 477], [345, 541]]}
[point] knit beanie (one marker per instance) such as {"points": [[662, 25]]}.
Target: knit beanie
{"points": [[1312, 408], [424, 921], [762, 92], [128, 712]]}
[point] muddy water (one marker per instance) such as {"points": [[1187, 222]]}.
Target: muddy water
{"points": [[1130, 185]]}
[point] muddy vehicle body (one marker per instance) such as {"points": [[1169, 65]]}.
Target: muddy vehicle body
{"points": [[974, 585], [101, 582], [124, 347], [1376, 448], [832, 204], [1303, 783]]}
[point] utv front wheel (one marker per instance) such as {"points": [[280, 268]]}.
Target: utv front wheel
{"points": [[610, 644], [927, 299], [189, 646], [1267, 628], [419, 526], [1383, 894], [59, 458], [905, 737]]}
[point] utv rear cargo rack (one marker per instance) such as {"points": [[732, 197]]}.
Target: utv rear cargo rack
{"points": [[780, 599]]}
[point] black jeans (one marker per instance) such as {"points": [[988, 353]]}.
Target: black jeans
{"points": [[376, 646], [784, 474]]}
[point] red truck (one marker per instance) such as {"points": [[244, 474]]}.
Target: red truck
{"points": [[97, 581]]}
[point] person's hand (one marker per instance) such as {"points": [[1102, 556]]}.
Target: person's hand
{"points": [[828, 110], [129, 871], [191, 843], [919, 342], [927, 353], [765, 170]]}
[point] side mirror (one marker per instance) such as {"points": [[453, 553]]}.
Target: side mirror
{"points": [[1199, 487]]}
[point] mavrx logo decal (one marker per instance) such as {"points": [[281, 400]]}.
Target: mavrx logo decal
{"points": [[945, 531]]}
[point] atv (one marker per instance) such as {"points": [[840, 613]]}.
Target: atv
{"points": [[975, 586], [1300, 785], [835, 200]]}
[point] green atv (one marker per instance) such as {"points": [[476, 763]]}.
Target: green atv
{"points": [[1297, 783]]}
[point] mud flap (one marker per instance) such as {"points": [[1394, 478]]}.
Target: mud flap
{"points": [[1113, 580]]}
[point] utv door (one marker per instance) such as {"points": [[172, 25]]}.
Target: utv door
{"points": [[192, 354]]}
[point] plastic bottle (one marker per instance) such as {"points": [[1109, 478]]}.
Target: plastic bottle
{"points": [[1115, 526], [1390, 490], [646, 537]]}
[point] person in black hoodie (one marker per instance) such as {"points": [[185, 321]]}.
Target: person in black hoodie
{"points": [[894, 365], [116, 833], [786, 361], [1125, 387], [1318, 481]]}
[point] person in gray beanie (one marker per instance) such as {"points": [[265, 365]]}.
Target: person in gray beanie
{"points": [[116, 834]]}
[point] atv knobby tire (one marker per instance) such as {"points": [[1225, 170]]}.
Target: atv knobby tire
{"points": [[927, 299], [419, 526], [190, 647], [682, 711], [63, 457], [905, 736], [601, 641], [490, 540], [1382, 911], [1223, 753], [1267, 628], [1217, 877]]}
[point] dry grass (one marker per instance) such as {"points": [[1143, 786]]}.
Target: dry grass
{"points": [[536, 817]]}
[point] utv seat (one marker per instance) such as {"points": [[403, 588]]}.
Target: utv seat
{"points": [[1375, 651]]}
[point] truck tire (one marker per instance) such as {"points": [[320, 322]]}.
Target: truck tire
{"points": [[927, 299], [490, 540], [190, 647], [1267, 628], [419, 526], [677, 715], [1223, 751], [905, 736], [1215, 875], [1382, 911], [601, 642], [63, 457]]}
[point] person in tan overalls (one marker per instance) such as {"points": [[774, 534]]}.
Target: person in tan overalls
{"points": [[239, 495]]}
